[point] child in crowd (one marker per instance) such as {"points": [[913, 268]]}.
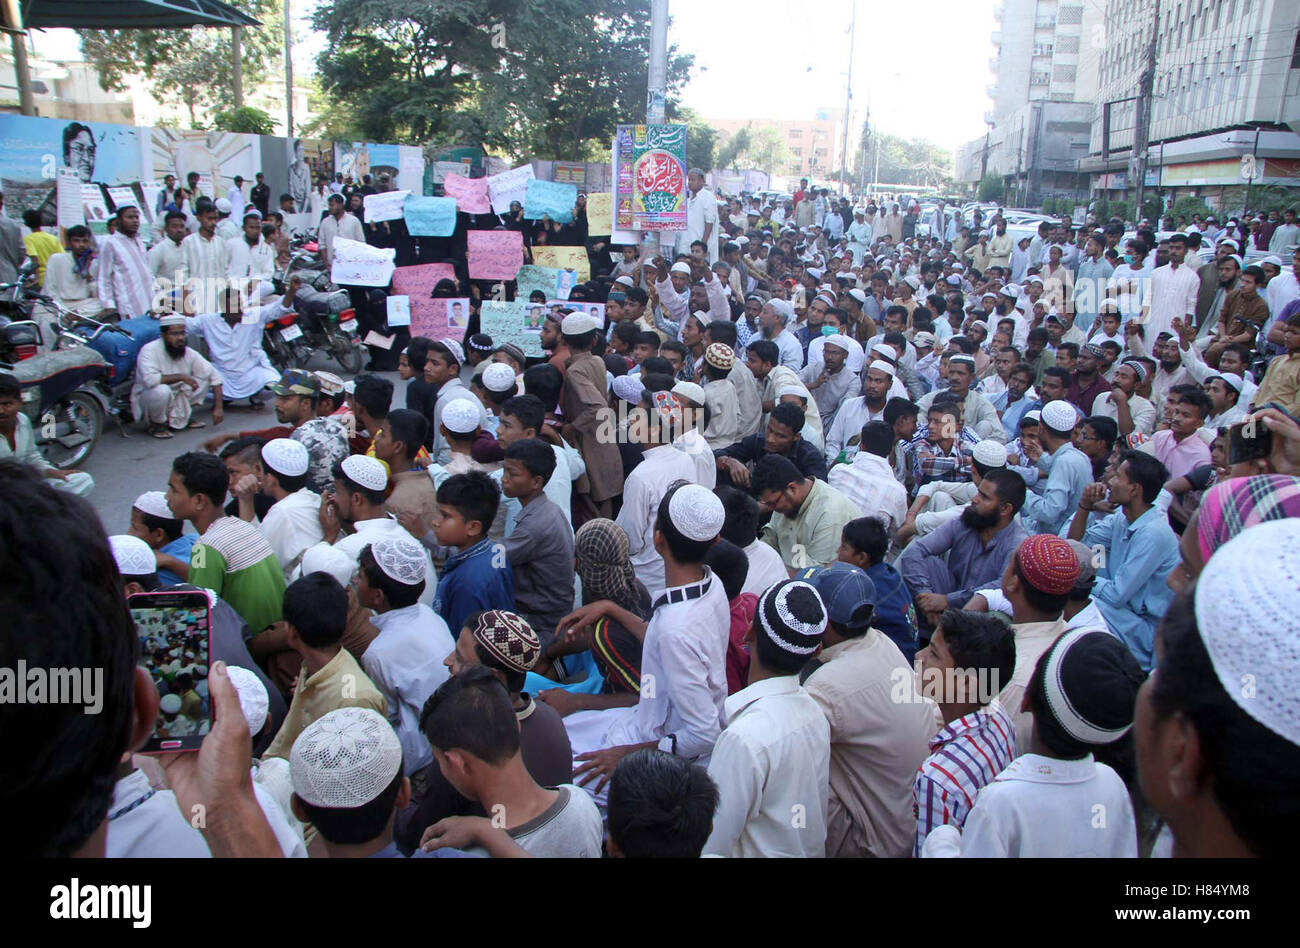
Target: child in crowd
{"points": [[477, 576], [863, 543]]}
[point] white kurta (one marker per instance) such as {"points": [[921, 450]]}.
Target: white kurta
{"points": [[167, 265], [172, 404], [292, 526], [70, 290], [256, 261], [25, 450], [236, 350], [646, 486], [206, 265]]}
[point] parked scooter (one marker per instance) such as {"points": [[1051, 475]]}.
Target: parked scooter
{"points": [[63, 386]]}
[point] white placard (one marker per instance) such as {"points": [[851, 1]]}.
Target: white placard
{"points": [[357, 264], [509, 186], [69, 207], [386, 206], [374, 339], [399, 311]]}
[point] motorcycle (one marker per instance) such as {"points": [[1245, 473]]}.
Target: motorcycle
{"points": [[62, 386], [323, 319]]}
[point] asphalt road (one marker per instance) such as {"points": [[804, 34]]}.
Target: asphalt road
{"points": [[124, 468]]}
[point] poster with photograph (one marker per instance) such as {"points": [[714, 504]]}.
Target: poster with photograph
{"points": [[595, 310], [511, 322], [428, 316], [399, 311], [566, 258]]}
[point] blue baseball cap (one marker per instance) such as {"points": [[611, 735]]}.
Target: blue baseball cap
{"points": [[847, 591]]}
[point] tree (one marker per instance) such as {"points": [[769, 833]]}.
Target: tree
{"points": [[701, 137], [533, 80], [991, 187], [246, 119], [731, 147], [193, 68]]}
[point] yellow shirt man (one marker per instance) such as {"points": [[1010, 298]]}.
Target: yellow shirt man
{"points": [[42, 246]]}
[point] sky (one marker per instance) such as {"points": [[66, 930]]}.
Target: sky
{"points": [[897, 68]]}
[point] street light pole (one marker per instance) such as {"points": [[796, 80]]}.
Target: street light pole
{"points": [[288, 71], [848, 98], [1143, 130], [658, 77]]}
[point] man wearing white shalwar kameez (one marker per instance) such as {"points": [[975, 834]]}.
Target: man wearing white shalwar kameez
{"points": [[166, 404], [234, 340]]}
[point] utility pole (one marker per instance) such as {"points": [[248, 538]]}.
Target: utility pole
{"points": [[658, 83], [848, 98], [288, 71], [1144, 102], [237, 50], [22, 72]]}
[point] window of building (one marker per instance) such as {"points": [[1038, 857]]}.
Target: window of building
{"points": [[1067, 44], [797, 152], [1070, 16], [796, 133]]}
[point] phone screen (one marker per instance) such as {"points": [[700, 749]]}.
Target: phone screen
{"points": [[175, 644]]}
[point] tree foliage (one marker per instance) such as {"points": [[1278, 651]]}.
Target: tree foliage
{"points": [[915, 162], [991, 187], [529, 79], [760, 147], [246, 119], [193, 68]]}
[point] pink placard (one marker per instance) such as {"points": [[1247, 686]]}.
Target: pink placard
{"points": [[428, 317], [494, 254], [471, 194]]}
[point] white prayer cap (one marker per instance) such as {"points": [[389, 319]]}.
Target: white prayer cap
{"points": [[924, 340], [954, 280], [680, 267], [457, 350], [990, 453], [840, 341], [629, 388], [170, 704], [154, 503], [1059, 416], [740, 241], [626, 280], [958, 267], [134, 557], [913, 281], [782, 308], [330, 384], [171, 319], [880, 365], [1237, 257], [1231, 379], [576, 324], [992, 296], [499, 377], [1035, 279], [1273, 259], [369, 472], [962, 358], [323, 558], [401, 559], [1011, 291], [1033, 415], [286, 456], [886, 350], [793, 390], [696, 512], [1228, 240], [345, 759], [1249, 592], [460, 415], [858, 295], [253, 700], [815, 273], [690, 391], [224, 206]]}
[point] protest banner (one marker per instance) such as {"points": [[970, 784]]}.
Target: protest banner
{"points": [[509, 186], [600, 214], [534, 279], [650, 177], [385, 206], [564, 258], [417, 283], [430, 216], [358, 264], [471, 194], [547, 198], [515, 322], [494, 254], [68, 199]]}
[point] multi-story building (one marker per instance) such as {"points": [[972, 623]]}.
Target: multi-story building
{"points": [[1226, 88], [814, 144], [1046, 76]]}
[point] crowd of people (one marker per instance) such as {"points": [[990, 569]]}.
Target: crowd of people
{"points": [[855, 539]]}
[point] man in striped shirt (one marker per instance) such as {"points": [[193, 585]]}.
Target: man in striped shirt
{"points": [[969, 658], [125, 283]]}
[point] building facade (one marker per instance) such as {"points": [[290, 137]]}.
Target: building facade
{"points": [[1226, 99], [1046, 79], [814, 144]]}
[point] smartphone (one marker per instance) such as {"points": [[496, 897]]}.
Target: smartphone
{"points": [[174, 631], [1249, 445]]}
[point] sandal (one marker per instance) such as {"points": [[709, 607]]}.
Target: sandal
{"points": [[161, 433], [195, 424]]}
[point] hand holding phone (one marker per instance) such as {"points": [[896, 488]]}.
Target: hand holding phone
{"points": [[174, 631]]}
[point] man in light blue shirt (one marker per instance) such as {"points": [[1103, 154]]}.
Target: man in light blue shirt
{"points": [[1140, 550], [1090, 284], [1067, 468]]}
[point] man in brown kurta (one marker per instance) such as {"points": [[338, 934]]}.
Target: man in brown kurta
{"points": [[588, 424]]}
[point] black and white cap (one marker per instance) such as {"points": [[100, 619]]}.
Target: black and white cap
{"points": [[792, 615]]}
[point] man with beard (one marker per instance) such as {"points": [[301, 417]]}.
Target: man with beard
{"points": [[943, 569], [1087, 382], [170, 379], [1016, 399], [234, 337], [846, 430]]}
